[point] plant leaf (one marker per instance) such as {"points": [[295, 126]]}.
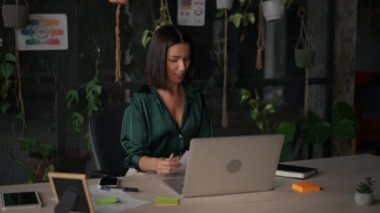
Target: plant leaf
{"points": [[4, 107], [10, 57], [6, 70], [146, 37], [236, 19], [251, 18], [72, 96], [318, 133], [288, 130], [270, 108], [245, 94], [77, 121]]}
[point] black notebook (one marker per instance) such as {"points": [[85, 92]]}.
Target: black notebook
{"points": [[301, 172]]}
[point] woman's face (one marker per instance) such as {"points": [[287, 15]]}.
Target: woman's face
{"points": [[177, 62]]}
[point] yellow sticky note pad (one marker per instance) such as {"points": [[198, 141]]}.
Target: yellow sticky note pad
{"points": [[166, 201], [106, 200], [306, 187]]}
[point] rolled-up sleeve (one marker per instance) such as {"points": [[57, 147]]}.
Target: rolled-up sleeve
{"points": [[148, 129], [133, 136]]}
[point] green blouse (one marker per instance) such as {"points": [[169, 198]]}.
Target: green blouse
{"points": [[148, 129]]}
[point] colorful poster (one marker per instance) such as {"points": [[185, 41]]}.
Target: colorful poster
{"points": [[191, 12], [44, 32]]}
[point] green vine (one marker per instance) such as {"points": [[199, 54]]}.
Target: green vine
{"points": [[88, 95], [243, 15], [307, 129], [7, 80], [9, 83], [92, 90], [165, 19], [259, 112]]}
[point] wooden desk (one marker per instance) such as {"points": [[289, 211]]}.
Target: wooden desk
{"points": [[337, 176]]}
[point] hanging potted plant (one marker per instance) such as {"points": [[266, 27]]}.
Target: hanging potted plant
{"points": [[274, 9], [304, 56], [165, 19], [15, 15], [224, 4]]}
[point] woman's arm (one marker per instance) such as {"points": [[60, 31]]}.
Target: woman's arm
{"points": [[162, 166], [134, 140]]}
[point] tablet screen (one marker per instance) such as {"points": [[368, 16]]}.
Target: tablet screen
{"points": [[20, 199]]}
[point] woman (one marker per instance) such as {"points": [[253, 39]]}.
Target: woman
{"points": [[166, 114]]}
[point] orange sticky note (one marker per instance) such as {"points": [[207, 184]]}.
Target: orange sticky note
{"points": [[306, 187]]}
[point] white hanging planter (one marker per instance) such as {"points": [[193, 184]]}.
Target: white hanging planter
{"points": [[224, 4], [273, 10], [363, 199], [14, 15]]}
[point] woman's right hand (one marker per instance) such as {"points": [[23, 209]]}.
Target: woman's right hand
{"points": [[165, 166]]}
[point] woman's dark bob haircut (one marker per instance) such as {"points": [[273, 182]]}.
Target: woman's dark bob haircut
{"points": [[163, 38]]}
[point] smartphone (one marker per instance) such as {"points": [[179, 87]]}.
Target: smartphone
{"points": [[14, 200], [109, 182]]}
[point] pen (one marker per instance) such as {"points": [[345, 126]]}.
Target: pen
{"points": [[171, 156], [129, 189], [125, 189]]}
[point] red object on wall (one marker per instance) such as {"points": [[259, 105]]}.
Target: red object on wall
{"points": [[362, 78]]}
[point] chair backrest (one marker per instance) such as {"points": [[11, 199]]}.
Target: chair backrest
{"points": [[105, 128]]}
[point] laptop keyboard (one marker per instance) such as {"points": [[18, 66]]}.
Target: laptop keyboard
{"points": [[175, 183]]}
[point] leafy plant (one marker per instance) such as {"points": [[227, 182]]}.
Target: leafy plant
{"points": [[243, 15], [88, 95], [7, 61], [240, 17], [11, 94], [44, 153], [259, 113], [366, 186], [92, 90], [165, 19], [308, 129]]}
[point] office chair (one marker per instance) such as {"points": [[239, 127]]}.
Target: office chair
{"points": [[105, 128]]}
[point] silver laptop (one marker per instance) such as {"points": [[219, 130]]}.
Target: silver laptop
{"points": [[228, 165]]}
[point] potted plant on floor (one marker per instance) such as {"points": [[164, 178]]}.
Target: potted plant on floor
{"points": [[41, 157], [308, 129], [364, 192]]}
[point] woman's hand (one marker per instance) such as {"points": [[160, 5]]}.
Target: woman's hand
{"points": [[165, 166]]}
